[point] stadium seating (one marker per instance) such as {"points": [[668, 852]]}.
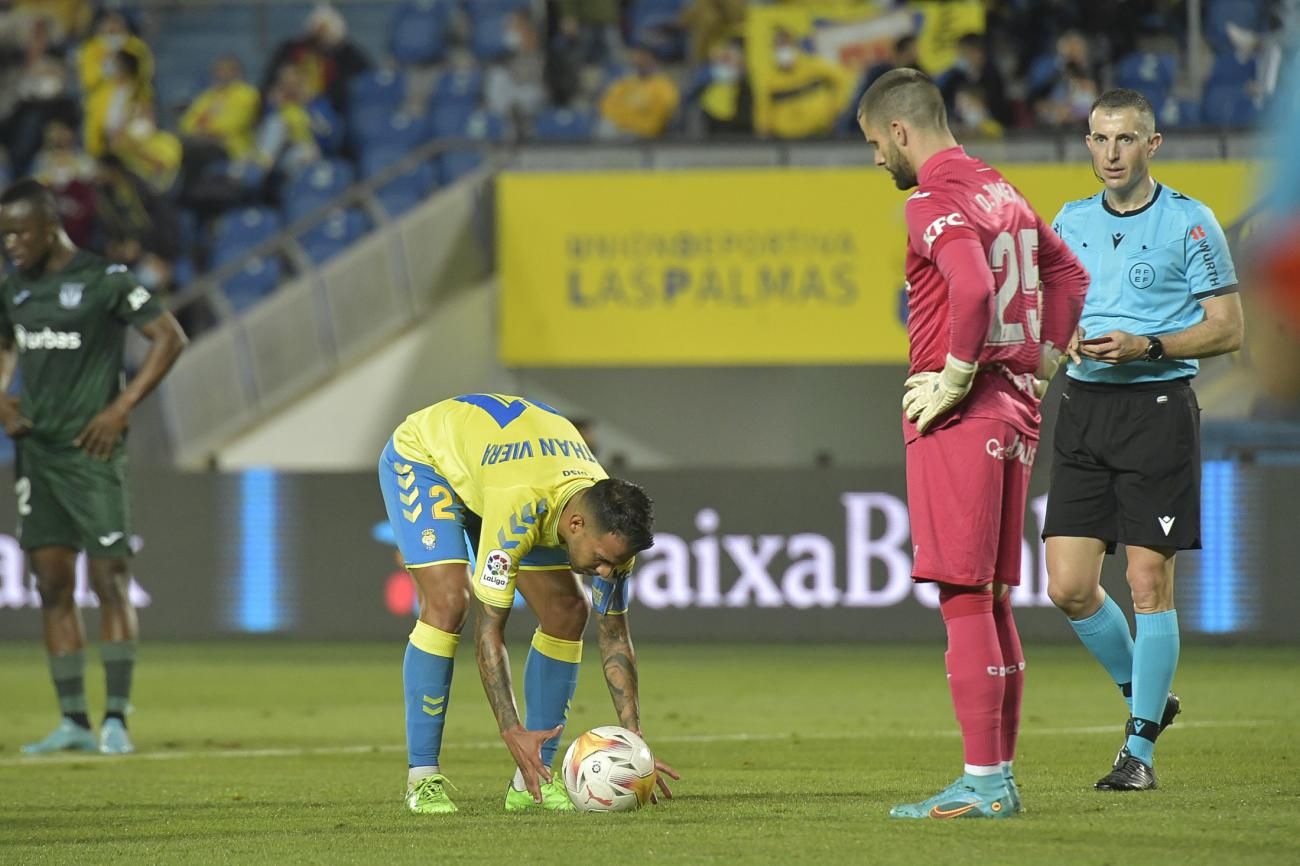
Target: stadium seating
{"points": [[242, 230], [563, 124], [406, 191], [1251, 15], [654, 24], [256, 279], [332, 236], [317, 186], [480, 126], [420, 31], [1149, 73]]}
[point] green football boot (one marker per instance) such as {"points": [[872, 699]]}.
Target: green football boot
{"points": [[427, 797], [554, 798]]}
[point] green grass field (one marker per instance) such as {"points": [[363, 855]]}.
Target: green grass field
{"points": [[263, 752]]}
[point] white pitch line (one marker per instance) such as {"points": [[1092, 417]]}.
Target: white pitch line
{"points": [[738, 737]]}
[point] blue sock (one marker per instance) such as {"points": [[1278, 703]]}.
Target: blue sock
{"points": [[550, 676], [1107, 637], [1155, 658], [426, 679]]}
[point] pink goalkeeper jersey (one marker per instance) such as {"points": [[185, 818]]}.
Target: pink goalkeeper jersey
{"points": [[959, 196]]}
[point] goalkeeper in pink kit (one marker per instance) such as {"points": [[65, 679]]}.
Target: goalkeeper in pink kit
{"points": [[992, 294]]}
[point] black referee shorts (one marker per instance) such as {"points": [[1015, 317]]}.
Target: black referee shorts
{"points": [[1126, 465]]}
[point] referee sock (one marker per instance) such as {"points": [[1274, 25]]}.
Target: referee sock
{"points": [[1155, 658], [1013, 662], [975, 676], [426, 682], [1107, 637], [550, 677], [68, 671]]}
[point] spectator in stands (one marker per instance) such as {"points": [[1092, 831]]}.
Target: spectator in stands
{"points": [[1056, 81], [904, 53], [222, 118], [149, 152], [137, 227], [114, 102], [100, 57], [513, 87], [805, 93], [596, 25], [727, 100], [641, 103], [973, 69], [69, 173], [68, 19], [325, 58], [563, 72], [285, 143], [33, 92], [971, 116], [710, 23]]}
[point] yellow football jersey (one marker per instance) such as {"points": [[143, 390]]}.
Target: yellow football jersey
{"points": [[514, 462]]}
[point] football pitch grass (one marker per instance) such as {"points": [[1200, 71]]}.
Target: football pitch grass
{"points": [[265, 752]]}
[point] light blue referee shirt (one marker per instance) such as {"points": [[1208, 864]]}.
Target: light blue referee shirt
{"points": [[1150, 270]]}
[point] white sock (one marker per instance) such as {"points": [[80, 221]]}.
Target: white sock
{"points": [[1006, 768], [972, 770], [415, 774], [518, 783]]}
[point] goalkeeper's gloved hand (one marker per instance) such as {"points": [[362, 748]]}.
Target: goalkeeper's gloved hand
{"points": [[1049, 361], [929, 395]]}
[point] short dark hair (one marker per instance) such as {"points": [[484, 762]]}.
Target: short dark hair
{"points": [[622, 508], [1125, 97], [971, 40], [904, 94], [34, 192]]}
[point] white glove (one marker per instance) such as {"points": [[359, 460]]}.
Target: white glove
{"points": [[1049, 361], [929, 395]]}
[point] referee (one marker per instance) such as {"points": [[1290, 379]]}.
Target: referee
{"points": [[1126, 463]]}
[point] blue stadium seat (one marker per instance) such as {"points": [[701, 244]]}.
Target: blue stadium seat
{"points": [[317, 186], [420, 31], [488, 39], [1247, 14], [1148, 73], [1228, 70], [405, 192], [563, 124], [381, 88], [242, 230], [462, 88], [397, 129], [654, 24], [257, 279], [334, 235], [1227, 105], [479, 126], [1181, 113]]}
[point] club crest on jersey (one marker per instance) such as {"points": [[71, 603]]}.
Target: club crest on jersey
{"points": [[429, 539], [936, 228], [70, 295]]}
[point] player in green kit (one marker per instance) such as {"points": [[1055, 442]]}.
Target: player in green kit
{"points": [[64, 313]]}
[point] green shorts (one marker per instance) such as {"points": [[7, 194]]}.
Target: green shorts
{"points": [[66, 498]]}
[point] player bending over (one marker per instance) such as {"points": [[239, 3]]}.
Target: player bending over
{"points": [[515, 476], [979, 364]]}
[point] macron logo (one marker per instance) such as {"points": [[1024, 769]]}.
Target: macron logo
{"points": [[936, 228], [1166, 523]]}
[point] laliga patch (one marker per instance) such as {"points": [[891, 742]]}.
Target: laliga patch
{"points": [[496, 570], [429, 538]]}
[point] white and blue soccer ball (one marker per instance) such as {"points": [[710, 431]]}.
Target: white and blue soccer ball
{"points": [[609, 769]]}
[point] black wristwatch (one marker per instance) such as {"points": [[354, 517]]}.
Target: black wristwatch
{"points": [[1155, 349]]}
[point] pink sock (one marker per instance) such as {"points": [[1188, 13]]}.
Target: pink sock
{"points": [[974, 662], [1013, 659]]}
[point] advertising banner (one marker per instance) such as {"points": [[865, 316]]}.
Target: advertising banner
{"points": [[782, 555], [762, 267]]}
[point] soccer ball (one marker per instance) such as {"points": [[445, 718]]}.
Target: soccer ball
{"points": [[609, 769]]}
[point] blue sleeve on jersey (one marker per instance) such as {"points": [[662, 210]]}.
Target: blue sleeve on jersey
{"points": [[1210, 270], [609, 596]]}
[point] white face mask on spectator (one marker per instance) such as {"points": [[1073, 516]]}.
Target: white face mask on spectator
{"points": [[513, 40], [724, 73], [140, 127], [786, 55], [115, 41]]}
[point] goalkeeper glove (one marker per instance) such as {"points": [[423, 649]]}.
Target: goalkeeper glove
{"points": [[1049, 361], [929, 395]]}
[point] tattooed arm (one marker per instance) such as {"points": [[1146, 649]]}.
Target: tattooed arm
{"points": [[494, 669], [619, 661]]}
